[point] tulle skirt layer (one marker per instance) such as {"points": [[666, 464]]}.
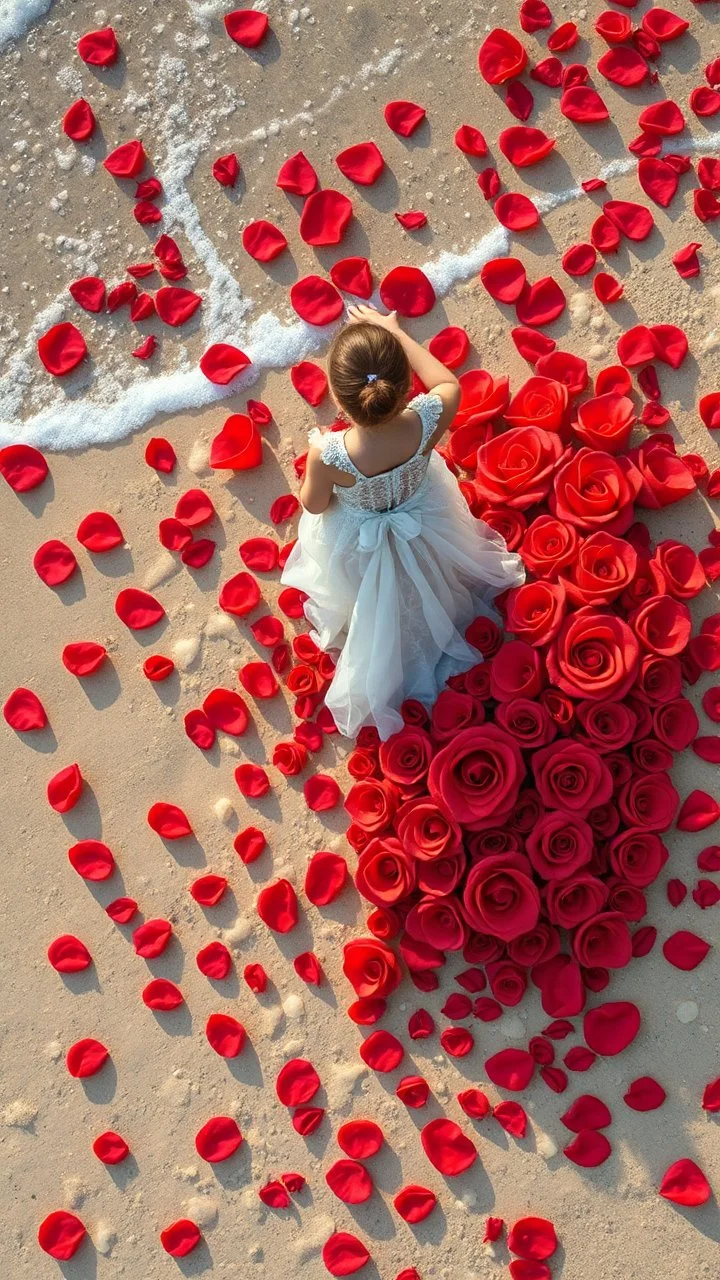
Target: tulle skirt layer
{"points": [[395, 591]]}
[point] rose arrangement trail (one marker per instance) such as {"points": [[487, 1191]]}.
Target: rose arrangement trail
{"points": [[520, 820]]}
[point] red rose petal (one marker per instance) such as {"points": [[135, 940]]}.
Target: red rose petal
{"points": [[470, 141], [173, 535], [252, 781], [146, 348], [624, 66], [534, 16], [214, 960], [451, 346], [352, 275], [589, 1149], [408, 291], [512, 1118], [321, 793], [277, 906], [85, 1058], [382, 1051], [611, 1027], [180, 1238], [607, 289], [343, 1254], [291, 602], [22, 467], [645, 1094], [297, 176], [632, 220], [64, 789], [522, 1270], [549, 72], [247, 27], [541, 303], [325, 878], [275, 1195], [208, 890], [685, 950], [531, 344], [223, 362], [414, 220], [169, 821], [61, 1234], [54, 562], [457, 1041], [218, 1139], [175, 306], [62, 349], [110, 1148], [447, 1147], [198, 553], [658, 180], [284, 508], [263, 241], [414, 1203], [239, 595], [249, 844], [501, 56], [226, 169], [89, 293], [225, 1035], [258, 679], [100, 532], [474, 1103], [504, 278], [698, 811], [583, 105], [579, 259], [162, 995], [316, 300], [511, 1068], [579, 1059], [151, 938], [532, 1238], [67, 954], [122, 910], [711, 1097], [663, 25], [519, 100], [604, 235], [663, 118], [99, 48], [297, 1082], [160, 454], [636, 346], [350, 1181], [92, 860], [685, 1183], [524, 146], [157, 667], [226, 712], [586, 1112], [516, 211], [310, 381], [362, 163], [403, 117], [127, 160], [360, 1138], [704, 101], [237, 447], [325, 217]]}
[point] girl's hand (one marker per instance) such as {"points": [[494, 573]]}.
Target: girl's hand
{"points": [[362, 313]]}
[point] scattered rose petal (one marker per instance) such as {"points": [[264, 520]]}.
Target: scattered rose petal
{"points": [[218, 1139], [403, 117], [685, 1183]]}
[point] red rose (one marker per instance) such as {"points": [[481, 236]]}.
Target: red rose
{"points": [[290, 758], [648, 581], [516, 468], [608, 726], [569, 902], [414, 713], [510, 524], [485, 635], [372, 804], [516, 672], [649, 801], [527, 811], [535, 946], [627, 899], [492, 841], [572, 776], [595, 655], [559, 845], [405, 757], [664, 478], [371, 967], [426, 832], [362, 763], [662, 625], [530, 723], [441, 876], [681, 569], [534, 611], [480, 948], [540, 402], [604, 940], [604, 820], [385, 872], [482, 397], [676, 723], [652, 756], [593, 490], [477, 775], [477, 680], [605, 422], [385, 923], [500, 898], [560, 707], [463, 443], [659, 679], [439, 922], [638, 856], [548, 546], [604, 567], [508, 982], [454, 711]]}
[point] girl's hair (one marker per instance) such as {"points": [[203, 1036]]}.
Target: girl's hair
{"points": [[369, 372]]}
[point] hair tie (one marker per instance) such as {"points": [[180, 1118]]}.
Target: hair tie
{"points": [[371, 377]]}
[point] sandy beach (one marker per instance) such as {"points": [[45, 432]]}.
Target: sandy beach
{"points": [[318, 83]]}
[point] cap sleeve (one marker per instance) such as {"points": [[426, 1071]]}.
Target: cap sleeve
{"points": [[428, 409], [333, 451]]}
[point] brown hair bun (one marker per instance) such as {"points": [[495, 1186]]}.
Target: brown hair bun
{"points": [[369, 373]]}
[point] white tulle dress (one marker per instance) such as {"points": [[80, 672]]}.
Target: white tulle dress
{"points": [[395, 569]]}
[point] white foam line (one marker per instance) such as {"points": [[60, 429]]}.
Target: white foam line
{"points": [[17, 16]]}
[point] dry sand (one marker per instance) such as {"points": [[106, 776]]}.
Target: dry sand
{"points": [[165, 1081]]}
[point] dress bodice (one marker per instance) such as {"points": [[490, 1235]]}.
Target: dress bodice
{"points": [[391, 488]]}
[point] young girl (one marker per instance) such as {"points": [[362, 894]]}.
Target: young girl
{"points": [[393, 563]]}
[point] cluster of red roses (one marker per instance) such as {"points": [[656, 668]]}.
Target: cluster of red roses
{"points": [[532, 799]]}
